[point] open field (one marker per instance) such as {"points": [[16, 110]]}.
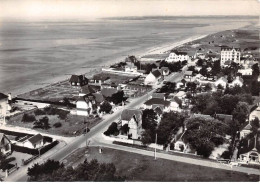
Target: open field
{"points": [[71, 126], [143, 168]]}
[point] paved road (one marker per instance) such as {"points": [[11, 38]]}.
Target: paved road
{"points": [[21, 176]]}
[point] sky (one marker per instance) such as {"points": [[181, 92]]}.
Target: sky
{"points": [[87, 9]]}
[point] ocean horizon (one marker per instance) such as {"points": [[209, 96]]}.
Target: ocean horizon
{"points": [[36, 53]]}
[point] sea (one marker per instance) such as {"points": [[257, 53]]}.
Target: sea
{"points": [[34, 54]]}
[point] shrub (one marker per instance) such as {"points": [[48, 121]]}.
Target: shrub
{"points": [[39, 112], [57, 125], [28, 118], [112, 130]]}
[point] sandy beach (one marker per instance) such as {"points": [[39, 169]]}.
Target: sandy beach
{"points": [[33, 67]]}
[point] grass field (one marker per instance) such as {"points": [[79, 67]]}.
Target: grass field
{"points": [[144, 168], [70, 125]]}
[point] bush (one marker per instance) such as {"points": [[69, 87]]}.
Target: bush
{"points": [[57, 125], [38, 112], [112, 130], [62, 114], [28, 118]]}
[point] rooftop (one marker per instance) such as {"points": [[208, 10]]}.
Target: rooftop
{"points": [[3, 96], [35, 139], [157, 101], [128, 114], [108, 92], [156, 73]]}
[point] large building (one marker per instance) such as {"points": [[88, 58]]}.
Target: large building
{"points": [[176, 56], [229, 55]]}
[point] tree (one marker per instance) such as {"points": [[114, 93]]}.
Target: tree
{"points": [[87, 171], [112, 130], [216, 68], [228, 103], [4, 161], [105, 107], [208, 87], [28, 118], [201, 134], [149, 119], [169, 87], [124, 129], [255, 71], [255, 88], [241, 112], [148, 136], [169, 125], [43, 123], [117, 97]]}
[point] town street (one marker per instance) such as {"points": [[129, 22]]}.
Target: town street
{"points": [[21, 176]]}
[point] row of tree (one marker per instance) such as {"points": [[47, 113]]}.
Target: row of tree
{"points": [[54, 171]]}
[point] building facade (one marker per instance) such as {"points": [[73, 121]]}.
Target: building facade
{"points": [[230, 54]]}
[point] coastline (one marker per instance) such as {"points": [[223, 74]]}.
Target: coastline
{"points": [[91, 71], [162, 49]]}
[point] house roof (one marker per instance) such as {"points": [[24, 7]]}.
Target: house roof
{"points": [[35, 139], [188, 73], [78, 78], [156, 73], [179, 52], [98, 97], [177, 100], [238, 78], [158, 95], [158, 109], [180, 94], [226, 48], [157, 101], [202, 116], [108, 92], [3, 96], [128, 114], [101, 77], [223, 79], [165, 68], [247, 127], [89, 89], [1, 136], [225, 117]]}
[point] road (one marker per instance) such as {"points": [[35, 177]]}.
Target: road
{"points": [[21, 174]]}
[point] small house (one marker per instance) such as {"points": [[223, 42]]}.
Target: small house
{"points": [[154, 102], [245, 131], [250, 151], [5, 144], [181, 95], [221, 81], [176, 56], [132, 117], [78, 80], [130, 67], [34, 142], [238, 81], [158, 95], [188, 74], [153, 78]]}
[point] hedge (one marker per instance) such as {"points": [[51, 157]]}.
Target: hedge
{"points": [[34, 151]]}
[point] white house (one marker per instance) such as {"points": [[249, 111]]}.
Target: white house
{"points": [[230, 54], [188, 75], [245, 71], [155, 102], [153, 78], [176, 56], [181, 95], [245, 131], [250, 153], [130, 67], [255, 114], [221, 81], [4, 107], [34, 142], [132, 117], [5, 144], [238, 81]]}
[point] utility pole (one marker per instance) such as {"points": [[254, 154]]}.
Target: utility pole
{"points": [[155, 146]]}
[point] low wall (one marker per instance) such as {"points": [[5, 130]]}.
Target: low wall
{"points": [[130, 141]]}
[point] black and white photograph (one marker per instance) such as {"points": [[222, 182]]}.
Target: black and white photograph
{"points": [[130, 91]]}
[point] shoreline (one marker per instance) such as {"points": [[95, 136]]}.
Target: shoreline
{"points": [[162, 49], [151, 50]]}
